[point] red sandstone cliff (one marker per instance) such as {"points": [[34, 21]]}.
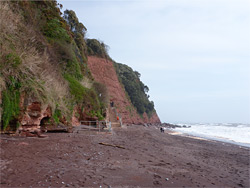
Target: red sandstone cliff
{"points": [[104, 72]]}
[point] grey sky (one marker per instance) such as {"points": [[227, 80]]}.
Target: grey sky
{"points": [[194, 55]]}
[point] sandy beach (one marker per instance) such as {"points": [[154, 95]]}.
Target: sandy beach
{"points": [[145, 157]]}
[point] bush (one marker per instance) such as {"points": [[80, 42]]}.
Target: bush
{"points": [[53, 29]]}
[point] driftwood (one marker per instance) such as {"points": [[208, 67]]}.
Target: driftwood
{"points": [[117, 146]]}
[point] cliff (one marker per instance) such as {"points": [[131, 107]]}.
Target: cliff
{"points": [[50, 75], [103, 71]]}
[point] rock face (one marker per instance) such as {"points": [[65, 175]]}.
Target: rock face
{"points": [[32, 114], [35, 116], [104, 72]]}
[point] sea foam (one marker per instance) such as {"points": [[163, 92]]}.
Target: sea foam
{"points": [[238, 133]]}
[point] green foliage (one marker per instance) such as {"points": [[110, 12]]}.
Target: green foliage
{"points": [[103, 97], [35, 12], [74, 69], [13, 60], [78, 31], [92, 100], [10, 102], [97, 48], [99, 116], [135, 89], [7, 109], [76, 89], [53, 29], [72, 62], [85, 96], [81, 44], [64, 41], [57, 115], [73, 22], [81, 94]]}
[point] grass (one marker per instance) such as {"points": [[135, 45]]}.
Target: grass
{"points": [[74, 69], [57, 115], [76, 89], [13, 60], [10, 103]]}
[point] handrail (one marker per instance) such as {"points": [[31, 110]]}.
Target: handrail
{"points": [[117, 115], [99, 124]]}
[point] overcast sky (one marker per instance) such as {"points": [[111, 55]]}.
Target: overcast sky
{"points": [[194, 55]]}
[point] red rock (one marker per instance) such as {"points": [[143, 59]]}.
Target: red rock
{"points": [[28, 134], [104, 72], [42, 136], [33, 113]]}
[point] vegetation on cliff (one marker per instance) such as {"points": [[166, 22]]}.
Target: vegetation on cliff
{"points": [[46, 54], [135, 89], [44, 59], [10, 102], [97, 48]]}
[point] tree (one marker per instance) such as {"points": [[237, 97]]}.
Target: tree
{"points": [[135, 89], [78, 30], [146, 89], [73, 22], [138, 74], [97, 48]]}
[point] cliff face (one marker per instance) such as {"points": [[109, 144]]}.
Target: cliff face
{"points": [[104, 72], [45, 77]]}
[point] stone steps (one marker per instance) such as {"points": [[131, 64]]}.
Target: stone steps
{"points": [[115, 124], [113, 118]]}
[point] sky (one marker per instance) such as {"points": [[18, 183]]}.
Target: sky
{"points": [[194, 55]]}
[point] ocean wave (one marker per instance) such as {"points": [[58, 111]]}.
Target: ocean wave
{"points": [[234, 132]]}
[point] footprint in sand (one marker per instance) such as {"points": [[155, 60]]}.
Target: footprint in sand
{"points": [[156, 176], [157, 183]]}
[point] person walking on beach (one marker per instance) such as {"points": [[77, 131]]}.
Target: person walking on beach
{"points": [[162, 130]]}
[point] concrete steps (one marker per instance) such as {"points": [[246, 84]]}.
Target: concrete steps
{"points": [[113, 118], [115, 124]]}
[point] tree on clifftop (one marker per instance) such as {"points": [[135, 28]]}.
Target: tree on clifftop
{"points": [[78, 30], [135, 89], [73, 22], [97, 48]]}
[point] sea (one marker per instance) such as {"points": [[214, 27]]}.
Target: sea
{"points": [[235, 133]]}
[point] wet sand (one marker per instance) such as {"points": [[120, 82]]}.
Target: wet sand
{"points": [[150, 159]]}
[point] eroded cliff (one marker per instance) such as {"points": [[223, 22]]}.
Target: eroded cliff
{"points": [[103, 71], [51, 75]]}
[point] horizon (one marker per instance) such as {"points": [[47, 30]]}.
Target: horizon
{"points": [[194, 56]]}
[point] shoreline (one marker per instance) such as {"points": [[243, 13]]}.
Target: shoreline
{"points": [[145, 157], [210, 138]]}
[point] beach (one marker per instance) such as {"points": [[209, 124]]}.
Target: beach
{"points": [[132, 156]]}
